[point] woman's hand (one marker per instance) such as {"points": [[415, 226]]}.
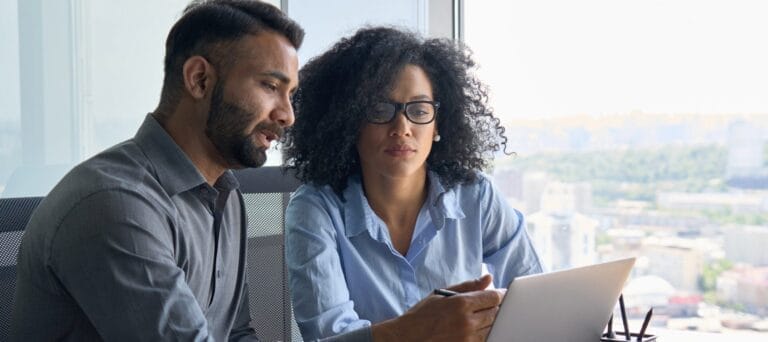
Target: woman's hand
{"points": [[467, 316]]}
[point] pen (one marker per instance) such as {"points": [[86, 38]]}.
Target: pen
{"points": [[645, 325], [444, 292], [624, 318], [610, 333]]}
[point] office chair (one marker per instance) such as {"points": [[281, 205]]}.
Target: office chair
{"points": [[266, 192], [14, 214]]}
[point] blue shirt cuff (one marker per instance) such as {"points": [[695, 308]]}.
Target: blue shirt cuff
{"points": [[359, 335]]}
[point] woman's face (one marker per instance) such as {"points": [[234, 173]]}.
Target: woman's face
{"points": [[400, 147]]}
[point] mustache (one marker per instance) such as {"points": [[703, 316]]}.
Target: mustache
{"points": [[271, 127]]}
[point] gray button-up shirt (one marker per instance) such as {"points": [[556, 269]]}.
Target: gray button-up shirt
{"points": [[134, 245]]}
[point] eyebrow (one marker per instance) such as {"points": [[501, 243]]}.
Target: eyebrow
{"points": [[278, 75], [421, 97]]}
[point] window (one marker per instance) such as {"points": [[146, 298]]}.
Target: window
{"points": [[640, 126], [81, 75]]}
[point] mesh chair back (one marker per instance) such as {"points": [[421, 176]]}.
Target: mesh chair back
{"points": [[266, 192], [14, 214]]}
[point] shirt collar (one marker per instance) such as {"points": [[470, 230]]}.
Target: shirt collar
{"points": [[175, 172], [442, 204], [227, 182]]}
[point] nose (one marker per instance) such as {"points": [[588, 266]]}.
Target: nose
{"points": [[400, 126], [283, 113]]}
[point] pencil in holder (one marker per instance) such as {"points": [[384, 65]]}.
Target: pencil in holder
{"points": [[619, 336]]}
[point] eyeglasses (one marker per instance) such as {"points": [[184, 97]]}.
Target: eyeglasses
{"points": [[419, 112]]}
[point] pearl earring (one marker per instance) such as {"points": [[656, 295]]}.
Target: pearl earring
{"points": [[436, 138]]}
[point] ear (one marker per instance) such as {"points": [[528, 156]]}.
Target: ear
{"points": [[199, 77]]}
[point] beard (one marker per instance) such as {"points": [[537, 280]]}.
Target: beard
{"points": [[226, 122]]}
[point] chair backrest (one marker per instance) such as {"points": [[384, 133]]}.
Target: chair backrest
{"points": [[266, 192], [14, 214]]}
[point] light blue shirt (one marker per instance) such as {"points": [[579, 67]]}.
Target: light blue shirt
{"points": [[345, 274]]}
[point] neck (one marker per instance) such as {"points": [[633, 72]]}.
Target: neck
{"points": [[397, 201], [186, 126]]}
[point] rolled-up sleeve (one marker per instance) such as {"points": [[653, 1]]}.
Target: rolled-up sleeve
{"points": [[114, 253], [321, 300], [507, 248]]}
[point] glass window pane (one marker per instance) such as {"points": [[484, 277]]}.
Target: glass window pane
{"points": [[350, 15], [80, 76], [640, 129], [90, 71], [10, 112]]}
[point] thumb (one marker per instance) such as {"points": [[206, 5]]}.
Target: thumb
{"points": [[478, 284]]}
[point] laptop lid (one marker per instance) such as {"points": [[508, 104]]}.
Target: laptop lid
{"points": [[569, 305]]}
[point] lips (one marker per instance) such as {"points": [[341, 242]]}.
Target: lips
{"points": [[400, 150], [265, 137], [269, 135]]}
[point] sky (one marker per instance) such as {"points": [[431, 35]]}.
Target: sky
{"points": [[550, 58]]}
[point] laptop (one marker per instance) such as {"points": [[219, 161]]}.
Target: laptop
{"points": [[570, 305]]}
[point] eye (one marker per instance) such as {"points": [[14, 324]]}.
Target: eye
{"points": [[381, 112], [269, 85], [420, 109]]}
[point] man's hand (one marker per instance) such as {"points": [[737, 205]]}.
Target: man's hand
{"points": [[467, 316]]}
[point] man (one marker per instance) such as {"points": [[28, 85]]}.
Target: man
{"points": [[146, 240]]}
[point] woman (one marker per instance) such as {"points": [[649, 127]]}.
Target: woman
{"points": [[391, 134]]}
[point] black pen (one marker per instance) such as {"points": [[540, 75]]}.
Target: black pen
{"points": [[624, 318], [610, 333], [645, 325], [444, 292]]}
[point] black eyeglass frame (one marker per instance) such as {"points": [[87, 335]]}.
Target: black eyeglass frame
{"points": [[402, 107]]}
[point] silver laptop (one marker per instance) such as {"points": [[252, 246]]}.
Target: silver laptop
{"points": [[571, 305]]}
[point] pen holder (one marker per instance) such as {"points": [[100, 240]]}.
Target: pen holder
{"points": [[633, 337], [619, 336]]}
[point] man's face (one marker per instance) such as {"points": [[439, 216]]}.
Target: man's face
{"points": [[250, 105]]}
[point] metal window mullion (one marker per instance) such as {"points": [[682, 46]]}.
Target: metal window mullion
{"points": [[458, 20]]}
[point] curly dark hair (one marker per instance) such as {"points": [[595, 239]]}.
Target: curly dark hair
{"points": [[338, 86]]}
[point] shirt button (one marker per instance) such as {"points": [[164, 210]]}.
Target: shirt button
{"points": [[218, 274]]}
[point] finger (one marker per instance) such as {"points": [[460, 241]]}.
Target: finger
{"points": [[482, 334], [483, 300], [480, 330], [485, 318], [473, 285], [477, 300]]}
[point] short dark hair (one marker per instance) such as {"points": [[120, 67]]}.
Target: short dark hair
{"points": [[338, 87], [208, 27]]}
